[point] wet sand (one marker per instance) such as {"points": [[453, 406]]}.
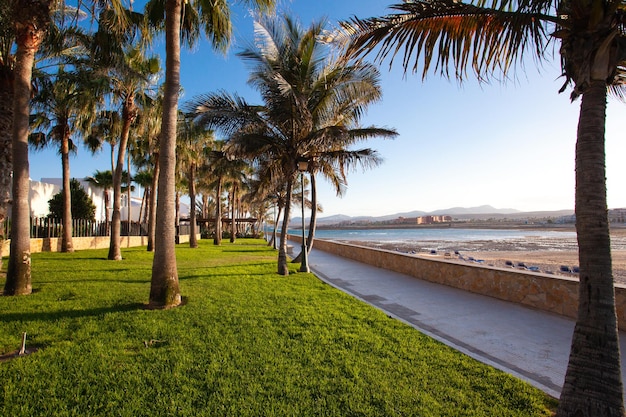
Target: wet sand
{"points": [[546, 255]]}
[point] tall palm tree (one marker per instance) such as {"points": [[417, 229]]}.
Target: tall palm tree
{"points": [[489, 38], [107, 128], [143, 179], [149, 129], [104, 180], [312, 102], [192, 140], [55, 48], [214, 18], [31, 19], [236, 182], [66, 102], [131, 75], [333, 163], [221, 168]]}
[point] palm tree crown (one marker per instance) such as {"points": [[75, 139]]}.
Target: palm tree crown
{"points": [[312, 104]]}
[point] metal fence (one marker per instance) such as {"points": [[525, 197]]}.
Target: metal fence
{"points": [[49, 227]]}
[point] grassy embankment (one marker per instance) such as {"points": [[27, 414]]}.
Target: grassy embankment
{"points": [[248, 342]]}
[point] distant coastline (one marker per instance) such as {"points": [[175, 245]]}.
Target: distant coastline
{"points": [[615, 228], [457, 225]]}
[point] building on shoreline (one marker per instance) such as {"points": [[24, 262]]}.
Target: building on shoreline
{"points": [[433, 219]]}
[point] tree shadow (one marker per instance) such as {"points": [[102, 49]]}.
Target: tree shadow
{"points": [[241, 249], [50, 316]]}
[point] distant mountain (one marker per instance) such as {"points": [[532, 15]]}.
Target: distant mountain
{"points": [[486, 209], [337, 218], [469, 213]]}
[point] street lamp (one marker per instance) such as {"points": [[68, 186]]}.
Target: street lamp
{"points": [[303, 166]]}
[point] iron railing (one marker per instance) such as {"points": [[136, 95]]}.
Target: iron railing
{"points": [[49, 227]]}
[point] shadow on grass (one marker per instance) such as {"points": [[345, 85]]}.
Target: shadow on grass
{"points": [[58, 315], [242, 249], [221, 276], [99, 281], [71, 257]]}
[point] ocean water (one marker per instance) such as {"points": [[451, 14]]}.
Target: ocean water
{"points": [[452, 239], [448, 234], [457, 239]]}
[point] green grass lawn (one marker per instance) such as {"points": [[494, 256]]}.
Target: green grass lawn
{"points": [[247, 342]]}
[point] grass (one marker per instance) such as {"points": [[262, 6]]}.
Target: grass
{"points": [[247, 342]]}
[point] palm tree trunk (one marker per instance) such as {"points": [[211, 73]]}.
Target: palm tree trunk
{"points": [[312, 221], [32, 19], [152, 205], [273, 240], [6, 165], [146, 204], [128, 197], [66, 237], [106, 211], [112, 156], [142, 206], [233, 224], [205, 205], [164, 288], [193, 241], [115, 249], [177, 217], [283, 268], [593, 384], [217, 239]]}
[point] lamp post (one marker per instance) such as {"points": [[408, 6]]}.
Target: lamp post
{"points": [[303, 166]]}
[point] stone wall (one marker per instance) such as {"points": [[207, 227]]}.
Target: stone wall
{"points": [[551, 293]]}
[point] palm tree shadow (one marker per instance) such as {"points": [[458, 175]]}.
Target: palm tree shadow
{"points": [[241, 249], [47, 316]]}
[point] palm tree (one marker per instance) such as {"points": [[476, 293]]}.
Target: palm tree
{"points": [[214, 18], [104, 180], [333, 164], [147, 149], [131, 74], [65, 102], [106, 128], [192, 140], [490, 38], [221, 168], [312, 102], [31, 20], [55, 47], [143, 179]]}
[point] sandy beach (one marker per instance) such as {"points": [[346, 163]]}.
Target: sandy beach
{"points": [[545, 255]]}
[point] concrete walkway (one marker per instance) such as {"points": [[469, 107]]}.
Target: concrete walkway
{"points": [[528, 343]]}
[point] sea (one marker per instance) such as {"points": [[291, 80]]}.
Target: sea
{"points": [[457, 239]]}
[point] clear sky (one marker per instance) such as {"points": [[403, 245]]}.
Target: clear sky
{"points": [[508, 145]]}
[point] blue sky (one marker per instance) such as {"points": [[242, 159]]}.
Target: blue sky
{"points": [[509, 145]]}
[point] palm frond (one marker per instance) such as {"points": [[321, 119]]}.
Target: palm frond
{"points": [[451, 36]]}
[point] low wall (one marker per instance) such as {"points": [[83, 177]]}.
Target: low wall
{"points": [[546, 292], [53, 244]]}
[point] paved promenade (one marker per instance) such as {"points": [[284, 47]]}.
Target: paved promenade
{"points": [[530, 344]]}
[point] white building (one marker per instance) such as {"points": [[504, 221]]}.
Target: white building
{"points": [[42, 191]]}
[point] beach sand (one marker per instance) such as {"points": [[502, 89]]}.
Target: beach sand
{"points": [[547, 255]]}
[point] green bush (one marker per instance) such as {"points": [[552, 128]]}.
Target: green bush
{"points": [[82, 205]]}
